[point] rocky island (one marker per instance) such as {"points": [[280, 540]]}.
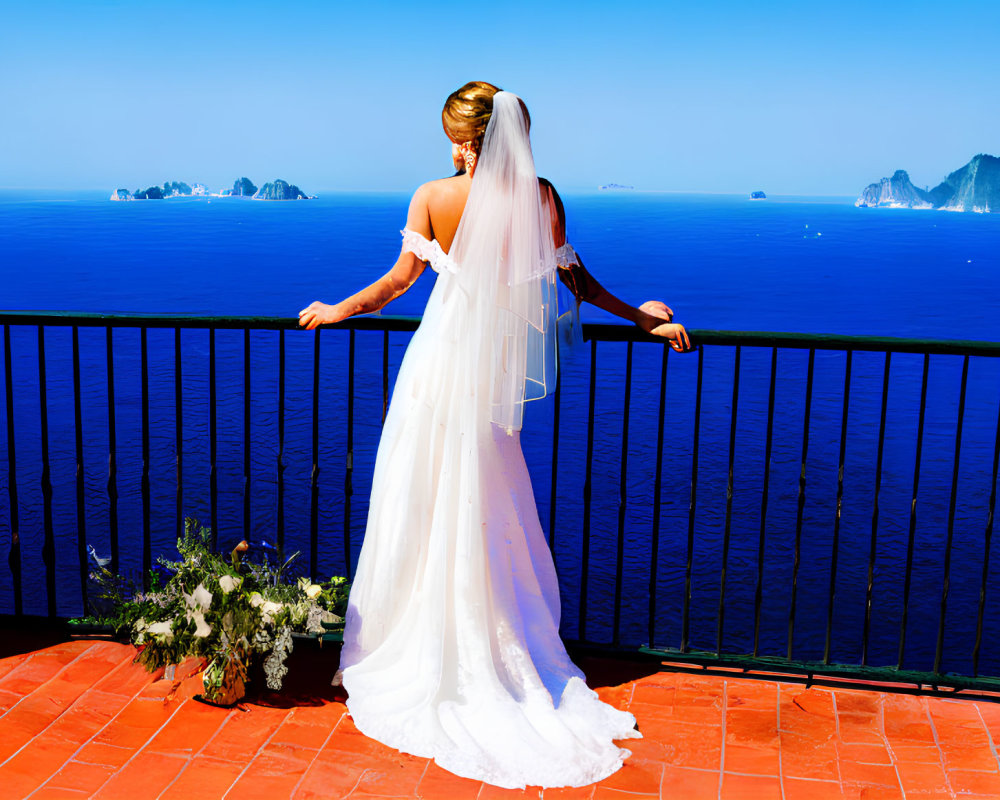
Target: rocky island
{"points": [[242, 187], [169, 189], [280, 190], [974, 187]]}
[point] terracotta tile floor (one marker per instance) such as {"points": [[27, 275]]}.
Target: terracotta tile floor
{"points": [[79, 719]]}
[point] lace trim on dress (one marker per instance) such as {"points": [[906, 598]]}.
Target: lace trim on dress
{"points": [[566, 256], [427, 250]]}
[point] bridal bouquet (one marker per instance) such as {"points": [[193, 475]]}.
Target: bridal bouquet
{"points": [[229, 612]]}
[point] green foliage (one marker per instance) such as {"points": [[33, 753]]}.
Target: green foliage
{"points": [[116, 601], [228, 610]]}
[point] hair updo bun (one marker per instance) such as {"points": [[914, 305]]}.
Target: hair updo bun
{"points": [[467, 112]]}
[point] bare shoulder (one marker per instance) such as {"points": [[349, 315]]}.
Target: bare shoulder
{"points": [[550, 194], [441, 187], [547, 186], [554, 202], [437, 208]]}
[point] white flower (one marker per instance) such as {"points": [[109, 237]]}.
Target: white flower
{"points": [[202, 597], [312, 590], [227, 583], [268, 609], [256, 599], [202, 628], [162, 629]]}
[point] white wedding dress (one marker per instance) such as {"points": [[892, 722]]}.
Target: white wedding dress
{"points": [[451, 648]]}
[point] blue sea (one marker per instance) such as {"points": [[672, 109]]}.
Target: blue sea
{"points": [[798, 264]]}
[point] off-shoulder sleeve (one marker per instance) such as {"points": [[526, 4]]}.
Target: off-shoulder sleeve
{"points": [[573, 274], [427, 250], [566, 256]]}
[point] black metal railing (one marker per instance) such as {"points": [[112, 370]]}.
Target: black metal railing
{"points": [[636, 545]]}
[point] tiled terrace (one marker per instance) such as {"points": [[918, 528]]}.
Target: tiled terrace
{"points": [[79, 719]]}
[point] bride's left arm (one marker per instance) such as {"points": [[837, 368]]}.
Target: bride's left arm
{"points": [[653, 316], [400, 277]]}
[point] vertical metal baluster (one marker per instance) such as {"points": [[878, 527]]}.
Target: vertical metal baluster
{"points": [[768, 437], [692, 508], [314, 478], [872, 548], [556, 403], [835, 547], [81, 510], [587, 493], [801, 499], [49, 544], [112, 453], [14, 556], [246, 434], [385, 374], [654, 552], [147, 549], [213, 473], [946, 582], [349, 466], [729, 503], [178, 434], [987, 543], [280, 533], [913, 512], [622, 500]]}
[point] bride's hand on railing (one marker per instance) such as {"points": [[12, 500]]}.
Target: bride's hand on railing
{"points": [[317, 313], [653, 311], [675, 332], [657, 309]]}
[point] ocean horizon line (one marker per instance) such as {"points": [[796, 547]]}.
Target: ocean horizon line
{"points": [[100, 192]]}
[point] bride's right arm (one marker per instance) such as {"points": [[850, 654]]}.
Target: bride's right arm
{"points": [[391, 285]]}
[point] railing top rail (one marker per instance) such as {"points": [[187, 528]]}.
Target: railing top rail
{"points": [[604, 331], [102, 320]]}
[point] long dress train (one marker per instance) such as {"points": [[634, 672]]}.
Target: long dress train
{"points": [[452, 648]]}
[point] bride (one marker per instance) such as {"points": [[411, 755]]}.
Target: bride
{"points": [[451, 647]]}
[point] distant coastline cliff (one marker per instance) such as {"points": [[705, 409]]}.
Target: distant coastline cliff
{"points": [[974, 187], [242, 187], [280, 190]]}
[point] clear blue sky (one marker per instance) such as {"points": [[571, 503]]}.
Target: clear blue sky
{"points": [[789, 97]]}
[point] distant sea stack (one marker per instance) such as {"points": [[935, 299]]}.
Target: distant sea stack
{"points": [[974, 187], [895, 192], [280, 190], [244, 188]]}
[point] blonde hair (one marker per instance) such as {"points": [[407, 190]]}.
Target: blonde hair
{"points": [[467, 112]]}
